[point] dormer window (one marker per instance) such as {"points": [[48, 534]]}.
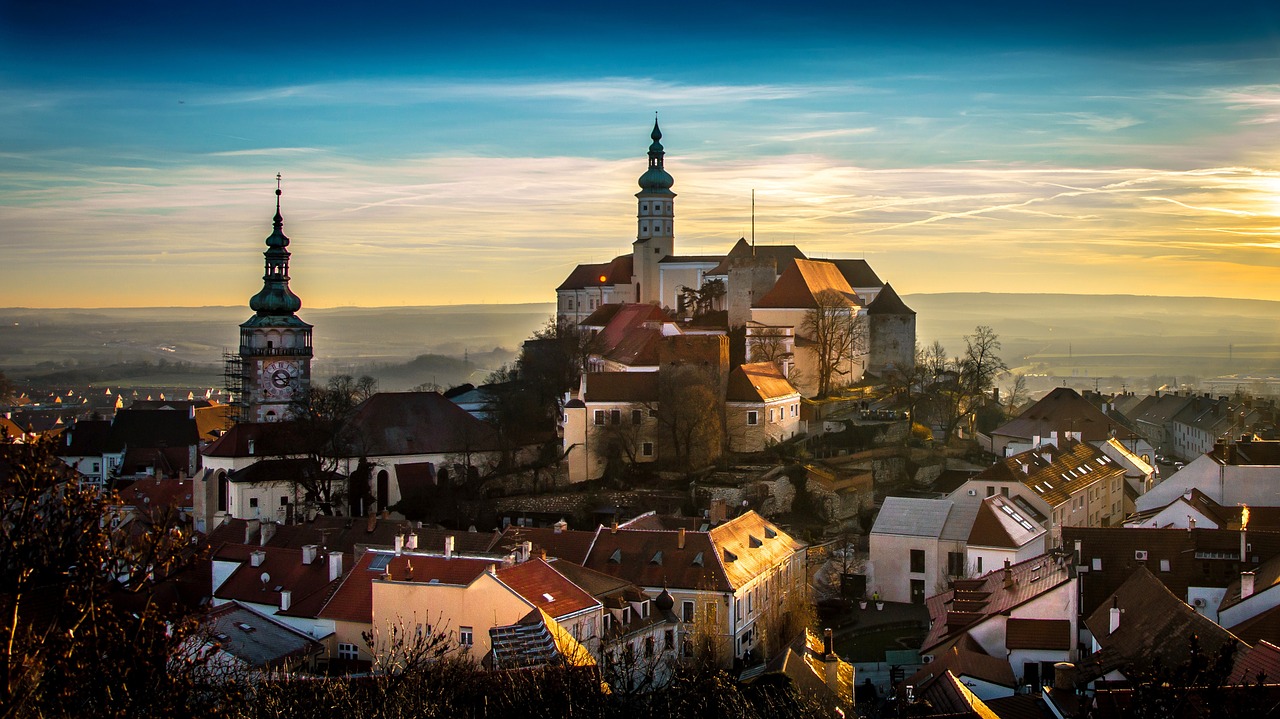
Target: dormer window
{"points": [[616, 557]]}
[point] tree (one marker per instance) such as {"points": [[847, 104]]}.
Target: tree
{"points": [[768, 344], [1017, 394], [690, 422], [981, 365], [325, 435], [82, 632], [836, 335], [704, 299], [908, 383]]}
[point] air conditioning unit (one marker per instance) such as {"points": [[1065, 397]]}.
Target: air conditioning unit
{"points": [[973, 493], [1140, 555], [1199, 603]]}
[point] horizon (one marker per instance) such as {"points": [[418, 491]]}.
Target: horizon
{"points": [[431, 155]]}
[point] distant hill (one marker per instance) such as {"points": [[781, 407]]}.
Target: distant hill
{"points": [[1074, 336]]}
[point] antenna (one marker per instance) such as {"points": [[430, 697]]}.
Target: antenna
{"points": [[753, 222]]}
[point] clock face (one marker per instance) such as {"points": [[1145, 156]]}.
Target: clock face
{"points": [[282, 379]]}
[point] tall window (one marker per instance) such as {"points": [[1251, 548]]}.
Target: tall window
{"points": [[753, 417], [466, 636], [600, 417], [686, 611], [955, 564], [917, 560], [615, 416], [636, 416]]}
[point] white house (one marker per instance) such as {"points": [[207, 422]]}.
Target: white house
{"points": [[918, 546]]}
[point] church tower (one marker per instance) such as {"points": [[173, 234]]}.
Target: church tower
{"points": [[655, 237], [275, 346]]}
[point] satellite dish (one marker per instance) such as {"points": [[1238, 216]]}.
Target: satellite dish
{"points": [[265, 578]]}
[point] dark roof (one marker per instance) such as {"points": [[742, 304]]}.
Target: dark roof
{"points": [[158, 494], [348, 535], [1154, 626], [1063, 410], [86, 438], [602, 315], [294, 471], [138, 428], [781, 254], [1001, 523], [965, 659], [270, 439], [654, 559], [398, 423], [887, 302], [856, 272], [621, 387], [256, 640], [1198, 557], [568, 544], [640, 348], [1054, 634]]}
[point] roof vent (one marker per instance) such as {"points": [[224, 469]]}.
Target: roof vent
{"points": [[770, 533], [657, 558], [697, 559], [754, 541], [730, 556], [616, 557]]}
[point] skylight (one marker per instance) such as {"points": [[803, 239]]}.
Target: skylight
{"points": [[547, 596], [379, 562]]}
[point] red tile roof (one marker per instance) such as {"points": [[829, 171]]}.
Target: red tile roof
{"points": [[1038, 634], [1063, 410], [270, 439], [650, 558], [283, 569], [546, 589], [749, 544], [621, 387], [158, 493], [615, 272], [400, 423], [1000, 523], [568, 544], [965, 659]]}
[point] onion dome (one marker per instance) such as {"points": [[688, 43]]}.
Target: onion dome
{"points": [[656, 178], [664, 601], [275, 298]]}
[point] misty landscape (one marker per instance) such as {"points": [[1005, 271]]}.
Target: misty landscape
{"points": [[1114, 339]]}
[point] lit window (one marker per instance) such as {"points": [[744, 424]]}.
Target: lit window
{"points": [[686, 611]]}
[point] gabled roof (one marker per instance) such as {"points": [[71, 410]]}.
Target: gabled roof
{"points": [[348, 535], [1068, 468], [158, 494], [802, 281], [1062, 410], [569, 544], [781, 254], [965, 659], [1154, 626], [545, 588], [283, 569], [602, 315], [803, 661], [269, 439], [758, 382], [1266, 576], [150, 428], [936, 518], [887, 302], [749, 545], [1001, 523], [297, 470], [87, 438], [399, 423], [621, 387], [856, 272], [640, 348], [626, 320], [972, 601], [650, 558], [615, 272]]}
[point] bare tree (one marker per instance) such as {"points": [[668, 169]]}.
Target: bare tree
{"points": [[768, 344], [833, 328], [690, 422], [325, 435], [981, 365], [1017, 394]]}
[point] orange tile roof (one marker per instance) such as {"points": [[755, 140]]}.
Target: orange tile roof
{"points": [[758, 382], [802, 281], [749, 544]]}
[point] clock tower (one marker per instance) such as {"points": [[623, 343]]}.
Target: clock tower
{"points": [[275, 345]]}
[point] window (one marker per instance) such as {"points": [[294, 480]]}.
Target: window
{"points": [[770, 415], [686, 611], [1164, 565], [753, 417], [751, 607], [991, 491], [348, 652], [253, 502], [917, 560], [668, 639], [600, 417], [284, 501], [955, 564], [615, 416], [466, 636], [653, 413], [1097, 564], [979, 564], [1004, 491], [636, 416], [591, 627], [646, 449]]}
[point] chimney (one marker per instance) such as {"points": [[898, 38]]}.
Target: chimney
{"points": [[399, 544], [286, 599], [680, 542], [560, 526], [448, 547], [251, 528], [191, 412], [411, 541], [250, 448], [268, 532], [831, 665], [335, 565], [408, 570], [1008, 576], [526, 550], [614, 527], [1053, 438], [1191, 522], [309, 552], [256, 557], [828, 643], [1115, 618], [1246, 585], [1064, 677], [1035, 441]]}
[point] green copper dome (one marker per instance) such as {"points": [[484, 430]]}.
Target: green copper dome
{"points": [[656, 179], [275, 298]]}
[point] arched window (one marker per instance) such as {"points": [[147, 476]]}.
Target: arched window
{"points": [[384, 489], [224, 490]]}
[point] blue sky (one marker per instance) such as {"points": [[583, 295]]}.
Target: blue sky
{"points": [[474, 153]]}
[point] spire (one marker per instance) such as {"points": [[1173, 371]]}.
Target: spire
{"points": [[656, 178], [275, 298]]}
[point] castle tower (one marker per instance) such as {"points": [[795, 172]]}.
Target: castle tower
{"points": [[275, 345], [655, 235]]}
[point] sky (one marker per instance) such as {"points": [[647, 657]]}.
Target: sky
{"points": [[454, 153]]}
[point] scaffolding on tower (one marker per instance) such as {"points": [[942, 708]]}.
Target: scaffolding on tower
{"points": [[233, 383]]}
